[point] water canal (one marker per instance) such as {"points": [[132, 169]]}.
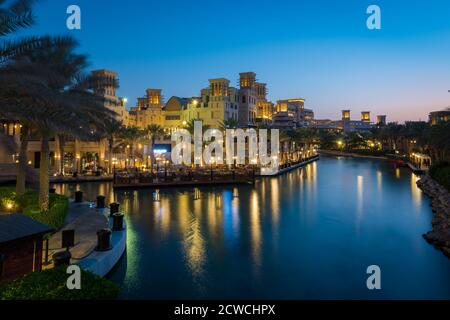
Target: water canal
{"points": [[309, 234]]}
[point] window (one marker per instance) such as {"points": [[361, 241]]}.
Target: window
{"points": [[243, 99], [172, 117]]}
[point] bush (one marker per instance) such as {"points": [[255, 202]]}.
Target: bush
{"points": [[28, 205], [51, 285], [441, 173]]}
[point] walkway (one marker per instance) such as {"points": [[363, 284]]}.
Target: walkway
{"points": [[86, 220]]}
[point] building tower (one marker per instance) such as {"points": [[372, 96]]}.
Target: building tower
{"points": [[154, 98], [247, 80], [346, 121], [381, 120], [247, 99], [105, 82], [365, 117], [219, 87], [345, 115]]}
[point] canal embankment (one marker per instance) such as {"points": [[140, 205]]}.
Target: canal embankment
{"points": [[399, 161], [439, 236], [293, 166], [98, 238], [80, 179], [350, 154]]}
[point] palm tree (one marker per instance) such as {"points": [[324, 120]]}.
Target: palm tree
{"points": [[13, 17], [111, 131], [228, 124], [47, 90], [190, 126], [153, 131], [130, 136]]}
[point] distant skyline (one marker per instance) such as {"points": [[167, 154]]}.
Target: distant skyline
{"points": [[318, 50]]}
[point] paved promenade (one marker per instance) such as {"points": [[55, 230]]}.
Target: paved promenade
{"points": [[86, 220]]}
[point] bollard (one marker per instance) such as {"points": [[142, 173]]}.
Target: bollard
{"points": [[117, 222], [101, 202], [61, 258], [79, 196], [113, 208], [52, 190], [103, 240]]}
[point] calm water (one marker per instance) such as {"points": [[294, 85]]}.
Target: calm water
{"points": [[309, 234]]}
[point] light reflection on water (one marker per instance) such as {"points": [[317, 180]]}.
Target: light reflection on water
{"points": [[309, 234]]}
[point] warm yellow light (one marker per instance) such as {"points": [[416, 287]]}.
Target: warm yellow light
{"points": [[9, 205]]}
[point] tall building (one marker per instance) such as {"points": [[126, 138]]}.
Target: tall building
{"points": [[247, 99], [105, 85], [217, 103], [348, 125], [439, 117], [149, 110], [381, 120], [292, 112], [365, 116], [173, 112], [265, 109]]}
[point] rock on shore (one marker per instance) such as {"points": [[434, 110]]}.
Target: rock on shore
{"points": [[440, 204]]}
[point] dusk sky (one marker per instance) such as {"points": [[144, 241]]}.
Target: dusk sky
{"points": [[319, 50]]}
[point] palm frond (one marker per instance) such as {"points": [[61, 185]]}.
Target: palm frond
{"points": [[17, 16]]}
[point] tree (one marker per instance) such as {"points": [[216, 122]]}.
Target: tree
{"points": [[111, 131], [153, 131], [130, 136], [47, 90], [328, 140], [13, 17], [16, 16], [190, 126], [228, 124], [439, 141]]}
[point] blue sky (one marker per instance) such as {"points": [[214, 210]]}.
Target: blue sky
{"points": [[316, 49]]}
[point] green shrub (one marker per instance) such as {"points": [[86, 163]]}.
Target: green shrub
{"points": [[51, 285], [28, 205], [441, 173]]}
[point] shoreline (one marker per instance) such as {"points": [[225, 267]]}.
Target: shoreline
{"points": [[350, 154], [439, 236]]}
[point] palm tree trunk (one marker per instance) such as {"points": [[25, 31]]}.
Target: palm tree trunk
{"points": [[43, 174], [152, 143], [110, 150], [23, 162], [62, 142]]}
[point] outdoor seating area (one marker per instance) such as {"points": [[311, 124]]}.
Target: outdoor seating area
{"points": [[185, 176]]}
